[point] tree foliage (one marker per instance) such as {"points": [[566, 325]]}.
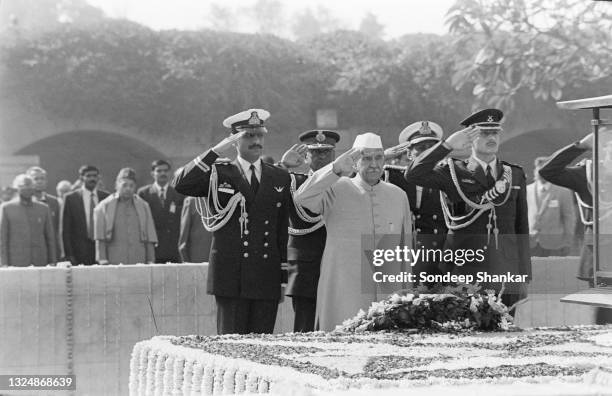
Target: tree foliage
{"points": [[547, 47], [370, 26], [182, 82], [185, 83]]}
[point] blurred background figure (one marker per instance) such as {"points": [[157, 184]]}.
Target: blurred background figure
{"points": [[124, 230], [78, 217], [26, 229], [39, 176], [63, 188], [7, 193], [194, 240], [552, 216], [166, 207]]}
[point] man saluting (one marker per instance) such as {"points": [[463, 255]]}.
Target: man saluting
{"points": [[427, 218], [559, 170], [487, 205], [307, 231], [246, 207]]}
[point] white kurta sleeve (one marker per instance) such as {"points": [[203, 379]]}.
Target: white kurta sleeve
{"points": [[317, 193]]}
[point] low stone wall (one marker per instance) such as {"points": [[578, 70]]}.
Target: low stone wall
{"points": [[86, 320]]}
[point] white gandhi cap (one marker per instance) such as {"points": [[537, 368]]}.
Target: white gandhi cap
{"points": [[368, 140]]}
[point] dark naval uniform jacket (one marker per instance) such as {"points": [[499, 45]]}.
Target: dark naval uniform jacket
{"points": [[557, 170], [243, 264], [427, 217], [511, 253], [427, 214], [304, 251]]}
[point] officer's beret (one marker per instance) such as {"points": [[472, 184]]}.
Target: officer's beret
{"points": [[487, 118], [421, 131], [251, 118], [319, 139]]}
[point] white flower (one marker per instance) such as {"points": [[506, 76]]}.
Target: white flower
{"points": [[395, 299], [407, 298], [228, 381]]}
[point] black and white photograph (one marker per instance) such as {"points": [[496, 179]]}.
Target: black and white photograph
{"points": [[306, 197]]}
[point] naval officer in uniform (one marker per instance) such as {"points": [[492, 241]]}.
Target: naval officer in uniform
{"points": [[307, 231], [559, 170], [246, 206], [427, 218], [485, 205]]}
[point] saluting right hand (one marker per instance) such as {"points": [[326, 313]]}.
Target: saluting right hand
{"points": [[396, 151], [295, 156], [462, 140], [227, 143], [345, 163]]}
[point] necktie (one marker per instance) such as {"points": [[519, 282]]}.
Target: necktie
{"points": [[90, 216], [490, 178], [254, 181], [162, 196]]}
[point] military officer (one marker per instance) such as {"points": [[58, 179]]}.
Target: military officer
{"points": [[486, 211], [429, 227], [246, 207], [558, 169], [306, 229]]}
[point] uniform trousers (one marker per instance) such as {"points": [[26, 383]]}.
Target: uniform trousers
{"points": [[305, 311], [244, 316]]}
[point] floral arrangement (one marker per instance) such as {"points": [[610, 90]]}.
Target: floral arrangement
{"points": [[443, 308], [556, 361]]}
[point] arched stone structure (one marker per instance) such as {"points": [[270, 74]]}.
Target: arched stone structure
{"points": [[27, 134], [62, 154]]}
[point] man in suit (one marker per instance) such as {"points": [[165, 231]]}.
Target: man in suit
{"points": [[39, 176], [194, 240], [78, 217], [166, 205], [429, 227], [487, 212], [247, 209], [551, 216], [307, 232], [26, 229]]}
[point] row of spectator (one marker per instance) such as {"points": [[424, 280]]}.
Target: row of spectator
{"points": [[85, 224]]}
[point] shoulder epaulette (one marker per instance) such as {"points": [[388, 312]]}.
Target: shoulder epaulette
{"points": [[299, 173], [512, 165], [223, 161], [395, 167], [275, 167]]}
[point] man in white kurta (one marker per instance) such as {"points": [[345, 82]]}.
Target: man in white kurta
{"points": [[361, 214]]}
